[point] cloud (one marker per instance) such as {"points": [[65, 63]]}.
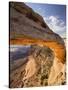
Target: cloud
{"points": [[39, 8], [56, 24]]}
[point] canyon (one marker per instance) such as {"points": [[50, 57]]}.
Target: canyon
{"points": [[46, 61]]}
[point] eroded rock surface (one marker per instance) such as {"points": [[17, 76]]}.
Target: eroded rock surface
{"points": [[45, 64]]}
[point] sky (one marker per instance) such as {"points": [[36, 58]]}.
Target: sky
{"points": [[54, 15]]}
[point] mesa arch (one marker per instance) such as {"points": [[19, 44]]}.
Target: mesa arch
{"points": [[59, 49]]}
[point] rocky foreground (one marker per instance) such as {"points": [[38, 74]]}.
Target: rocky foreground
{"points": [[41, 68], [45, 62]]}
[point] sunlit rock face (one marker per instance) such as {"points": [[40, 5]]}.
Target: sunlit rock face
{"points": [[43, 63], [43, 68], [38, 68], [57, 74]]}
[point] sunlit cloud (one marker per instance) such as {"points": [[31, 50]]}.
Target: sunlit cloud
{"points": [[56, 24]]}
